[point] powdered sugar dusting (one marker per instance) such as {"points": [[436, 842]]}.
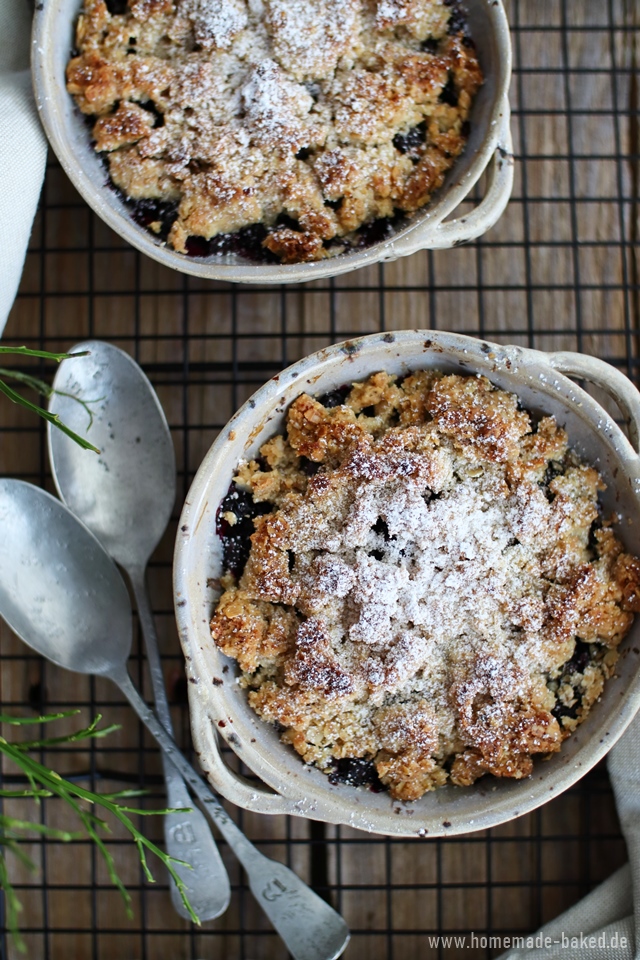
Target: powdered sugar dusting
{"points": [[216, 22], [311, 36], [421, 18], [396, 568], [275, 107]]}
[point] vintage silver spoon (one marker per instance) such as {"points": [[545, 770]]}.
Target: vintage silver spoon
{"points": [[63, 595], [125, 496]]}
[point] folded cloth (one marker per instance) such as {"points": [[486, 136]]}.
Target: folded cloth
{"points": [[604, 925], [23, 149]]}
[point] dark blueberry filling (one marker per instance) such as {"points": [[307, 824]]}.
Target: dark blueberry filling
{"points": [[411, 141], [197, 247], [150, 107], [284, 220], [246, 242], [595, 526], [554, 469], [583, 655], [449, 94], [458, 19], [356, 773], [334, 398], [377, 230], [430, 45], [561, 710], [146, 212], [380, 527], [116, 7], [309, 467], [236, 539]]}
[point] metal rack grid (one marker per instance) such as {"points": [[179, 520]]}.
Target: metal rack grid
{"points": [[560, 271]]}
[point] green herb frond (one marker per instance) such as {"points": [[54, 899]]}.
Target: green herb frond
{"points": [[45, 390], [46, 783], [43, 354], [30, 721]]}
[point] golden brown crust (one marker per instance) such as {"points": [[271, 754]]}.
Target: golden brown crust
{"points": [[498, 717], [127, 125], [437, 595], [329, 113], [626, 572], [478, 417], [291, 246], [320, 434], [255, 633]]}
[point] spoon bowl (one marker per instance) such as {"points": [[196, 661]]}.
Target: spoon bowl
{"points": [[59, 591], [126, 494]]}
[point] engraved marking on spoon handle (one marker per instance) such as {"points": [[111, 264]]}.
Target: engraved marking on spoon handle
{"points": [[310, 928], [187, 835]]}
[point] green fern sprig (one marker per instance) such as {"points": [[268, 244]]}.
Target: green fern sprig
{"points": [[44, 389], [46, 783]]}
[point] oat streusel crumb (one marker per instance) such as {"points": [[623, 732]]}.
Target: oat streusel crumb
{"points": [[429, 585], [309, 117]]}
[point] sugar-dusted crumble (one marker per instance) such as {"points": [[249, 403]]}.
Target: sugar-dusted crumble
{"points": [[429, 587], [310, 118]]}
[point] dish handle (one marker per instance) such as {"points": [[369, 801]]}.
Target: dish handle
{"points": [[609, 379], [452, 233], [249, 794]]}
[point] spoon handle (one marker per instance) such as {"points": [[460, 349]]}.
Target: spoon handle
{"points": [[137, 578], [309, 927], [187, 835]]}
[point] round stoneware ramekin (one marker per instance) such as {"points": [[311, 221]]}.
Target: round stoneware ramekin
{"points": [[489, 150], [219, 705]]}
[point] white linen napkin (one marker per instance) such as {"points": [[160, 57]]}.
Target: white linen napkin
{"points": [[602, 926], [23, 148]]}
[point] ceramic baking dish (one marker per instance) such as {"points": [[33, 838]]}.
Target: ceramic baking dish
{"points": [[488, 150], [286, 784]]}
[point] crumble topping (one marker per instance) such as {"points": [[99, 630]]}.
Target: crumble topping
{"points": [[310, 118], [418, 577]]}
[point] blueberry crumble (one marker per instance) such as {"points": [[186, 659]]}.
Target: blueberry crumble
{"points": [[439, 599], [317, 125]]}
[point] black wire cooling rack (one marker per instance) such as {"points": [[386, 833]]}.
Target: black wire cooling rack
{"points": [[560, 271]]}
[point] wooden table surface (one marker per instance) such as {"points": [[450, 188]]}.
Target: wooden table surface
{"points": [[559, 271]]}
